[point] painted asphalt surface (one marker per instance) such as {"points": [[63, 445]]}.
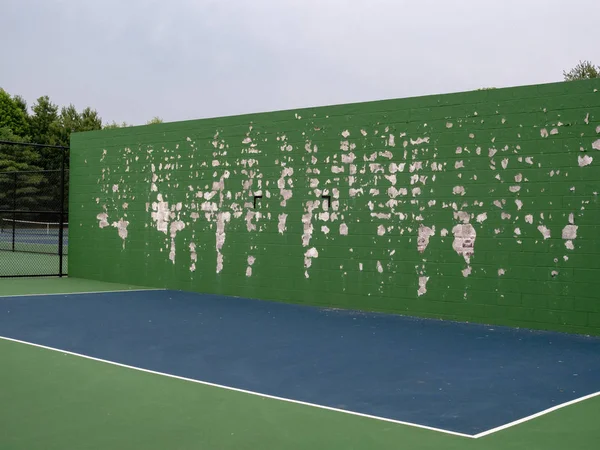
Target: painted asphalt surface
{"points": [[460, 377]]}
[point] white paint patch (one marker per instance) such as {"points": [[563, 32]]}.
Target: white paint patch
{"points": [[160, 214], [458, 190], [584, 160], [286, 194], [103, 220], [569, 232], [121, 225], [481, 217], [422, 285], [464, 240], [545, 231], [222, 219], [343, 229], [466, 272], [423, 238]]}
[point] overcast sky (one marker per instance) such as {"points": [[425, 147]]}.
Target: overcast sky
{"points": [[185, 59]]}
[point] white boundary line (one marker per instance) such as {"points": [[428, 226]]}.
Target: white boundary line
{"points": [[206, 383], [314, 405], [83, 293], [533, 416]]}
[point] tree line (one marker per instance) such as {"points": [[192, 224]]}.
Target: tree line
{"points": [[45, 123]]}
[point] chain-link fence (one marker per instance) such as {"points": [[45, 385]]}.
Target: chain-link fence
{"points": [[33, 220]]}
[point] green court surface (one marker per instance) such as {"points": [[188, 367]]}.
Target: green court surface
{"points": [[53, 400]]}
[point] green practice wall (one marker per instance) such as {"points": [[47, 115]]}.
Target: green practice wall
{"points": [[478, 206]]}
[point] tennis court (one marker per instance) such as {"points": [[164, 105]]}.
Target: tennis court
{"points": [[32, 247], [93, 364]]}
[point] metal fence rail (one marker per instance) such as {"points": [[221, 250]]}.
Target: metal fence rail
{"points": [[33, 217]]}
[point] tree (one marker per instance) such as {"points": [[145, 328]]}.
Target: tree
{"points": [[154, 120], [13, 114], [114, 124], [43, 121], [584, 70]]}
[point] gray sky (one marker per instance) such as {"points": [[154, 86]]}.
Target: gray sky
{"points": [[185, 59]]}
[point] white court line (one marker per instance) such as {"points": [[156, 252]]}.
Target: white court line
{"points": [[83, 293], [229, 388], [533, 416], [314, 405]]}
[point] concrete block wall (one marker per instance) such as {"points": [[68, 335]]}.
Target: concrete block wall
{"points": [[478, 206]]}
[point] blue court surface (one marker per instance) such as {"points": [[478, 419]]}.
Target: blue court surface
{"points": [[463, 378]]}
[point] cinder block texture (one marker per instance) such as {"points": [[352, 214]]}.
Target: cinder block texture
{"points": [[479, 206]]}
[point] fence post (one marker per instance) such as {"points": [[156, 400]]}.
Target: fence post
{"points": [[62, 214], [14, 227]]}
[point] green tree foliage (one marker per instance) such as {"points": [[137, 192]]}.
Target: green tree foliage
{"points": [[18, 158], [154, 120], [114, 124], [13, 114], [43, 121], [584, 70]]}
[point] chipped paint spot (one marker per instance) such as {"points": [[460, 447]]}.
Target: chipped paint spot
{"points": [[519, 177], [519, 204], [554, 273], [585, 160], [423, 238], [466, 272], [380, 230], [444, 232], [379, 267], [103, 218], [545, 231], [449, 125], [343, 229], [544, 132], [464, 240], [569, 232], [529, 218], [345, 134], [501, 272], [422, 285], [554, 131], [514, 188], [458, 190], [121, 226], [360, 266], [481, 217]]}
